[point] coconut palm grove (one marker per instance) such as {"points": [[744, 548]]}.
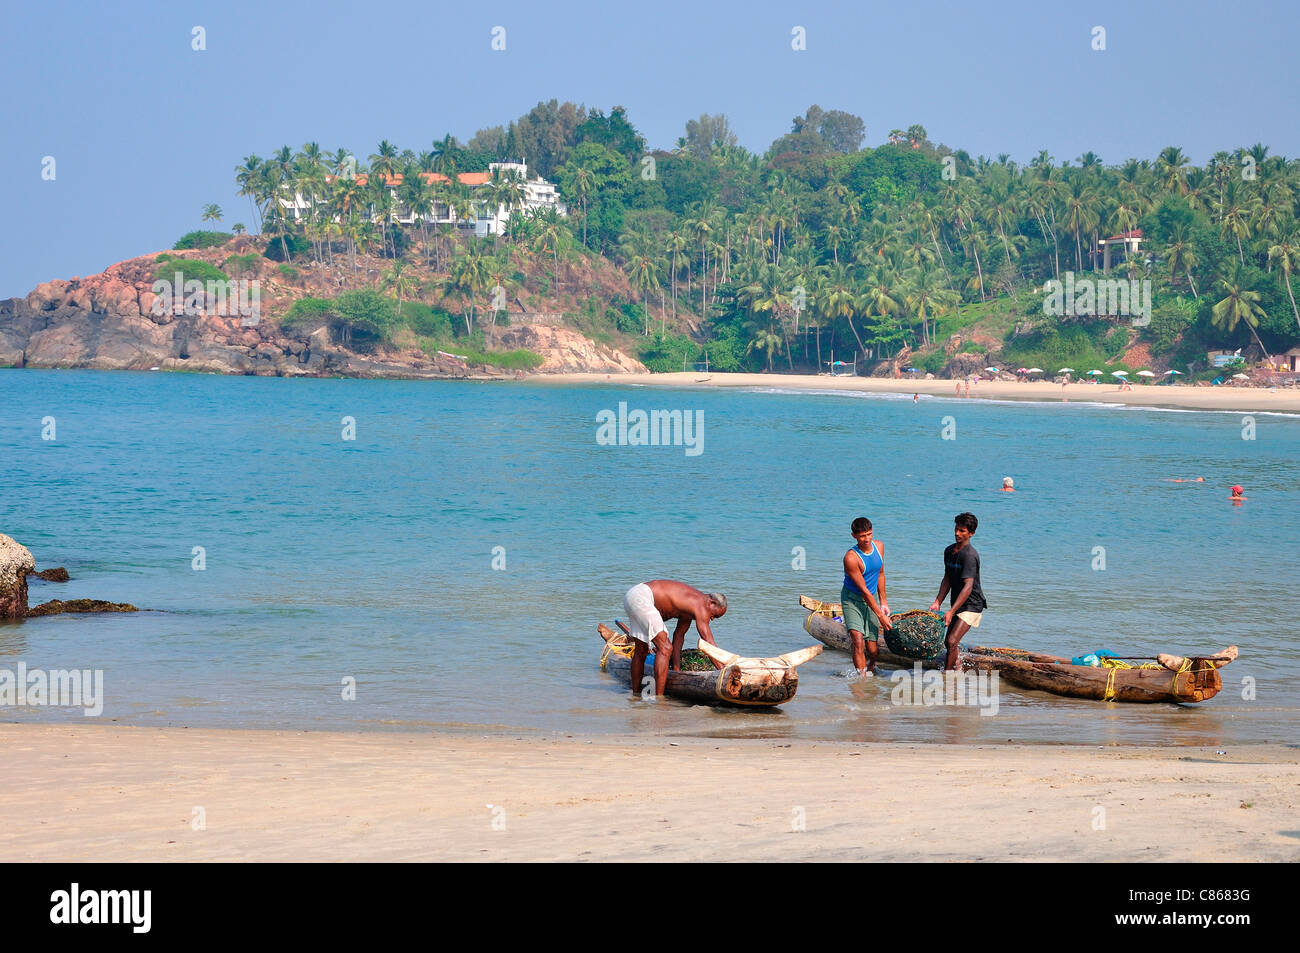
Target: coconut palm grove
{"points": [[912, 253]]}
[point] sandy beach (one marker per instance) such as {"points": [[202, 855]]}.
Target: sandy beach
{"points": [[1243, 399], [114, 793]]}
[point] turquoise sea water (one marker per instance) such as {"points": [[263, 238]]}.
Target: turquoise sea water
{"points": [[373, 558]]}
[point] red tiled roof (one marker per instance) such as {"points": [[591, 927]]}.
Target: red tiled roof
{"points": [[395, 180], [1135, 233]]}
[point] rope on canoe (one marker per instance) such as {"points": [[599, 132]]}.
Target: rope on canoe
{"points": [[1115, 665], [624, 649]]}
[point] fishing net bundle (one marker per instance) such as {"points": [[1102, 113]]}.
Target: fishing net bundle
{"points": [[917, 634], [693, 660]]}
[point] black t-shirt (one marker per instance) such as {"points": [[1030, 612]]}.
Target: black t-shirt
{"points": [[958, 566]]}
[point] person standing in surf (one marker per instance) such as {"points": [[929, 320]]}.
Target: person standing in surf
{"points": [[961, 577], [862, 596]]}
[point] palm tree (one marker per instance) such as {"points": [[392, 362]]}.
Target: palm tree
{"points": [[881, 299], [467, 279], [925, 296], [396, 279], [769, 294], [1170, 166], [247, 176], [1235, 209], [551, 234], [1286, 252], [676, 245], [1080, 213], [644, 272], [767, 343], [384, 163], [584, 183], [212, 213], [1239, 304], [838, 301], [1180, 254]]}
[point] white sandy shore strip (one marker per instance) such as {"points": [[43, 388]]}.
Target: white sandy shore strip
{"points": [[1243, 399], [115, 793]]}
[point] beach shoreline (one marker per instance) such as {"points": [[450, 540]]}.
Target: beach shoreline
{"points": [[117, 793], [1238, 399]]}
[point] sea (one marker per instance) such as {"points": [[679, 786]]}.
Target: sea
{"points": [[434, 556]]}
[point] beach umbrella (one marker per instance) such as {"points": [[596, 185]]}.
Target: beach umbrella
{"points": [[1066, 370], [1241, 377], [992, 370], [1145, 374], [1167, 373], [913, 370], [1119, 373], [1095, 373], [1034, 370]]}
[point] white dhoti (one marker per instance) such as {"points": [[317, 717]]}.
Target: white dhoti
{"points": [[642, 617]]}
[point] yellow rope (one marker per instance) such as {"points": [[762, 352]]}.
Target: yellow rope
{"points": [[623, 649], [1108, 662], [1182, 669], [1114, 665]]}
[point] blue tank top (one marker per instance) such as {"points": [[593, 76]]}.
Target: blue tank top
{"points": [[872, 563]]}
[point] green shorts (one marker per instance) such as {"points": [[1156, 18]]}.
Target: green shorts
{"points": [[858, 615]]}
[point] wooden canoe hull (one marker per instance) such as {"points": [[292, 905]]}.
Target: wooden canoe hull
{"points": [[1051, 673], [744, 685]]}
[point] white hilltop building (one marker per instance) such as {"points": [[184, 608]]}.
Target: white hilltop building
{"points": [[484, 220]]}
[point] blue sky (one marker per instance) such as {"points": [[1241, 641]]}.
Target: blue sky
{"points": [[144, 130]]}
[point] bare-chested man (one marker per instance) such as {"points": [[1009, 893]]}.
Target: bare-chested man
{"points": [[648, 605]]}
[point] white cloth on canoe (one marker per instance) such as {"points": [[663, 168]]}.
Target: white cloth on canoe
{"points": [[642, 617]]}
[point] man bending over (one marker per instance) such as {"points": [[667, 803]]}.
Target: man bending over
{"points": [[648, 605]]}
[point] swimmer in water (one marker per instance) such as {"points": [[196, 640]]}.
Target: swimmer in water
{"points": [[1008, 485], [916, 398], [1237, 492], [1181, 480]]}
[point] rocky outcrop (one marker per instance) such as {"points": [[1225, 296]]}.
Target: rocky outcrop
{"points": [[895, 366], [965, 365], [58, 607], [15, 563], [108, 321], [566, 351], [52, 575]]}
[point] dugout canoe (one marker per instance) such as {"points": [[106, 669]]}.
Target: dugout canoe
{"points": [[745, 682], [1172, 679]]}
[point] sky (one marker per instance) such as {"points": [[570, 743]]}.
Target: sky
{"points": [[144, 130]]}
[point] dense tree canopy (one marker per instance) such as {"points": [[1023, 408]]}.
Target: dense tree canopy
{"points": [[864, 249]]}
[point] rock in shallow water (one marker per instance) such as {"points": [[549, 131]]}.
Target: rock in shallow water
{"points": [[51, 575], [15, 563], [58, 607]]}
